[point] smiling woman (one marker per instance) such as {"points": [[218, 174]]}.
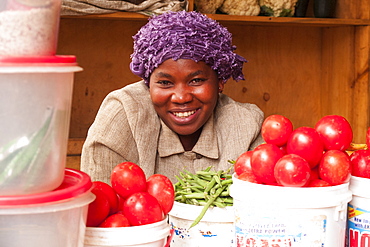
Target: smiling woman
{"points": [[177, 116]]}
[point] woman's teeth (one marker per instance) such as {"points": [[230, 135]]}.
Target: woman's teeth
{"points": [[183, 114]]}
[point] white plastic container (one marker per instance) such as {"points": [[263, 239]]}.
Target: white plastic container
{"points": [[295, 217], [29, 27], [215, 229], [52, 219], [35, 109], [358, 229], [150, 235]]}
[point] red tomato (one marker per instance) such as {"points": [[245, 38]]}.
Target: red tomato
{"points": [[110, 193], [263, 161], [335, 132], [276, 130], [314, 174], [142, 208], [335, 167], [243, 163], [306, 142], [115, 220], [121, 200], [248, 176], [163, 190], [360, 161], [98, 209], [292, 171], [317, 183], [128, 178], [283, 149]]}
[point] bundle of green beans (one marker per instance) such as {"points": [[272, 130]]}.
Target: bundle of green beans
{"points": [[204, 188]]}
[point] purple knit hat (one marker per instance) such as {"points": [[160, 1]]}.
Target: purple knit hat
{"points": [[185, 35]]}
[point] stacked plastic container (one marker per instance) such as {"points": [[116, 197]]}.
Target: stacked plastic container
{"points": [[41, 202]]}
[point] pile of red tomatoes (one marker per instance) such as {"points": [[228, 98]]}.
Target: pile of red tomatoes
{"points": [[132, 200], [305, 156]]}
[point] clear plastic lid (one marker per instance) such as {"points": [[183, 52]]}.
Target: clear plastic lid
{"points": [[75, 183]]}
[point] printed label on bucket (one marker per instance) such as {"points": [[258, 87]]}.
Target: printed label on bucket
{"points": [[281, 231], [358, 227]]}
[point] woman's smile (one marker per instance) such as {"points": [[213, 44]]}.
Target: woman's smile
{"points": [[183, 114]]}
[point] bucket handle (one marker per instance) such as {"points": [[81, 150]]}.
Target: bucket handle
{"points": [[169, 238], [340, 212]]}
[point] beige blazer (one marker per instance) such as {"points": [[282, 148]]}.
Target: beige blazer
{"points": [[127, 128]]}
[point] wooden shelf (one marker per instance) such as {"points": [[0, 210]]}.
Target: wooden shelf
{"points": [[244, 20]]}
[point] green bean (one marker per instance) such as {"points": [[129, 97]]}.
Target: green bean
{"points": [[192, 195], [217, 178], [210, 185], [198, 180], [219, 204], [205, 207], [232, 162], [206, 173]]}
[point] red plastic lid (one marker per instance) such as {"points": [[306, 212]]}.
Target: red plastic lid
{"points": [[74, 184], [66, 60]]}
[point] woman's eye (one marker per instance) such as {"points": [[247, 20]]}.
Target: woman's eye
{"points": [[197, 81], [164, 83]]}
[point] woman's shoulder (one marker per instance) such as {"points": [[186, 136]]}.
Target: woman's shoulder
{"points": [[134, 90], [132, 102], [135, 95]]}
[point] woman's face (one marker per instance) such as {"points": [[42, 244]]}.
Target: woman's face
{"points": [[184, 94]]}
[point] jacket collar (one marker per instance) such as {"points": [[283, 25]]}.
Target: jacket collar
{"points": [[207, 145]]}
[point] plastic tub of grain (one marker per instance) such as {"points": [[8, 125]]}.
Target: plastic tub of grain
{"points": [[35, 107], [52, 219], [29, 27]]}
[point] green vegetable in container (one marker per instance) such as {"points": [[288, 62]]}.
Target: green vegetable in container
{"points": [[21, 154], [204, 188]]}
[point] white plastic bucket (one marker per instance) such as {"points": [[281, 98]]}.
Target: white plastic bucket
{"points": [[52, 219], [150, 235], [288, 216], [215, 229], [358, 233]]}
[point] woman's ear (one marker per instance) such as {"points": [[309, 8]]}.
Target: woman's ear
{"points": [[221, 85]]}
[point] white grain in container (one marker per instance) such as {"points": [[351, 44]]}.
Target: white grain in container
{"points": [[30, 32]]}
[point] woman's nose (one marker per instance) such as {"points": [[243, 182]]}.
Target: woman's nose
{"points": [[182, 95]]}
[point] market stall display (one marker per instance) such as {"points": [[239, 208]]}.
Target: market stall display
{"points": [[42, 203], [293, 190]]}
